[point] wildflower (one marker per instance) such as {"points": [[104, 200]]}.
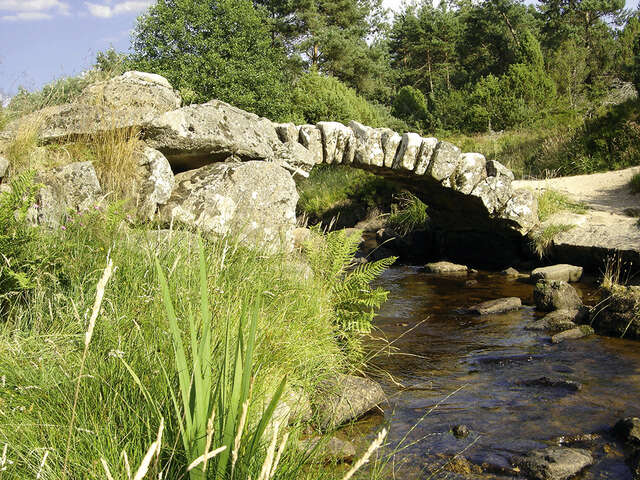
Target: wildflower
{"points": [[63, 227]]}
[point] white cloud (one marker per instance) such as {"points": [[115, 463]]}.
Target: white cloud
{"points": [[108, 11], [24, 10]]}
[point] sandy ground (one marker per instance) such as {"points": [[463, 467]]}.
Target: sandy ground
{"points": [[611, 220]]}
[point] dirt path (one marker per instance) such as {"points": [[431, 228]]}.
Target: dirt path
{"points": [[607, 192], [611, 222]]}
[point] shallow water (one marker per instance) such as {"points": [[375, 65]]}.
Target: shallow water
{"points": [[462, 369]]}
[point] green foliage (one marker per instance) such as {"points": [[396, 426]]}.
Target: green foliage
{"points": [[636, 64], [20, 264], [318, 98], [332, 188], [551, 202], [217, 49], [354, 300], [411, 106], [411, 214], [213, 395]]}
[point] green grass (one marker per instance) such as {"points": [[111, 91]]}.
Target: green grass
{"points": [[635, 183], [542, 240], [130, 372], [330, 188], [410, 215], [551, 202]]}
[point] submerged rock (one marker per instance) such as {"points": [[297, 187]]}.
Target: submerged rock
{"points": [[345, 398], [555, 295], [554, 463], [573, 334], [563, 272], [255, 201], [558, 321], [445, 268], [628, 430], [500, 305], [460, 431], [553, 383]]}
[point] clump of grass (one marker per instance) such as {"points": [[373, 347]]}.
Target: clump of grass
{"points": [[542, 240], [21, 147], [411, 214], [635, 183], [551, 202], [115, 154], [330, 187]]}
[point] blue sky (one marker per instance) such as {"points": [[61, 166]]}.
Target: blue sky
{"points": [[41, 40]]}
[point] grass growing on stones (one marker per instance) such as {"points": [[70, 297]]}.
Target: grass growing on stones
{"points": [[410, 215], [551, 202], [330, 187], [129, 373], [542, 240]]}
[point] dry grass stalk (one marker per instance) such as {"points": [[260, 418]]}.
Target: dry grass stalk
{"points": [[154, 450], [42, 463], [20, 149], [236, 442], [108, 271], [206, 457], [265, 473], [375, 445]]}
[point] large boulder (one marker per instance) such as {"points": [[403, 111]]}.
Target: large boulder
{"points": [[628, 430], [338, 142], [554, 463], [492, 307], [311, 138], [155, 184], [345, 398], [254, 201], [444, 162], [367, 145], [74, 187], [554, 295], [445, 268], [197, 135], [559, 321], [132, 100]]}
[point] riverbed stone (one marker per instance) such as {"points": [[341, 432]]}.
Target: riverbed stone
{"points": [[628, 430], [444, 268], [510, 272], [253, 201], [501, 305], [197, 135], [563, 272], [558, 321], [556, 295], [460, 431], [332, 449], [572, 334], [619, 312], [553, 383], [345, 398], [554, 463]]}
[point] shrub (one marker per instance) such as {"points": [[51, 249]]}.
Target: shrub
{"points": [[318, 98], [411, 214], [411, 106], [635, 183], [542, 240]]}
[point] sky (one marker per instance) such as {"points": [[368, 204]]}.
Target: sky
{"points": [[41, 40]]}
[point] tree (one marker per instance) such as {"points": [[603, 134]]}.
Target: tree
{"points": [[636, 64], [215, 49], [335, 37], [411, 106]]}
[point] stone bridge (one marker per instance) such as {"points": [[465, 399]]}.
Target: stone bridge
{"points": [[466, 193]]}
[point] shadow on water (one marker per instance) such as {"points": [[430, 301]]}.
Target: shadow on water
{"points": [[493, 365]]}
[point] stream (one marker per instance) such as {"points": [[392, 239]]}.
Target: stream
{"points": [[453, 369]]}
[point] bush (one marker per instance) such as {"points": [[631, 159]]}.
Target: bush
{"points": [[318, 98], [635, 183], [411, 106]]}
